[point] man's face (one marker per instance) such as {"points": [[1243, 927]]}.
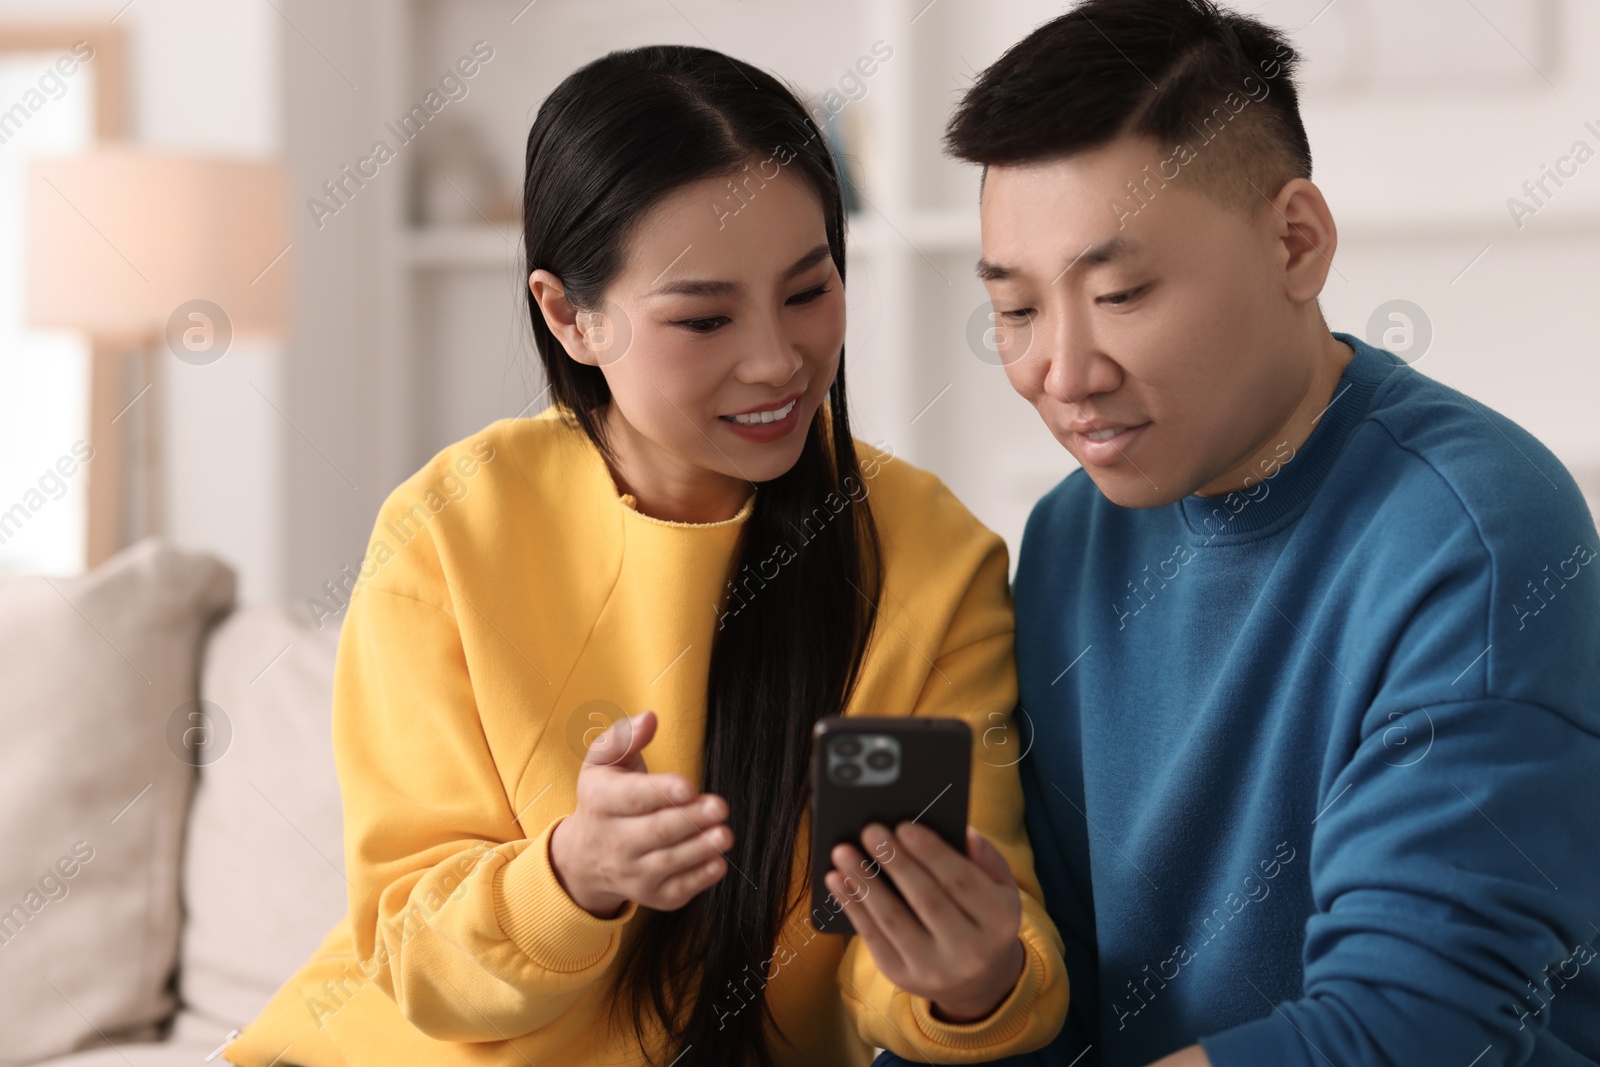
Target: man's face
{"points": [[1157, 342]]}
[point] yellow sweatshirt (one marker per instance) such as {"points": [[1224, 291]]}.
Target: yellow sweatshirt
{"points": [[511, 603]]}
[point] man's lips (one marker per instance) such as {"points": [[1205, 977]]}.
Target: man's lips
{"points": [[1103, 444], [1087, 426]]}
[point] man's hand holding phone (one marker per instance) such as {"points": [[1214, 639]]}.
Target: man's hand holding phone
{"points": [[953, 939], [637, 836]]}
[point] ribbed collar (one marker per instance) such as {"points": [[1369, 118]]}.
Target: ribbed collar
{"points": [[1235, 517]]}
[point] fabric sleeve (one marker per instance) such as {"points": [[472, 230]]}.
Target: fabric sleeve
{"points": [[1443, 889], [455, 915], [971, 682], [1455, 856]]}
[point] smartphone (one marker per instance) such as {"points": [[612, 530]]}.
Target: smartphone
{"points": [[885, 770]]}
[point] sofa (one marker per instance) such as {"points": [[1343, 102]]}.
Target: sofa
{"points": [[172, 831]]}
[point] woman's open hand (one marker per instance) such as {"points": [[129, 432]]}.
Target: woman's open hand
{"points": [[636, 835], [957, 943]]}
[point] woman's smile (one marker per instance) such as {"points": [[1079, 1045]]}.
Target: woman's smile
{"points": [[770, 422]]}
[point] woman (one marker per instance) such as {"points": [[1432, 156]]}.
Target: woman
{"points": [[690, 529]]}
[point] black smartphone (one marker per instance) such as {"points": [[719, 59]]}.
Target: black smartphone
{"points": [[885, 770]]}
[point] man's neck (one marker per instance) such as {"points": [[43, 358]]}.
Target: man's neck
{"points": [[1268, 454]]}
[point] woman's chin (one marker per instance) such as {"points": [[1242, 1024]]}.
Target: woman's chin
{"points": [[766, 463]]}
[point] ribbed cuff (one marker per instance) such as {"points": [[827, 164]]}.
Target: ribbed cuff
{"points": [[1265, 1042], [539, 917], [1008, 1020]]}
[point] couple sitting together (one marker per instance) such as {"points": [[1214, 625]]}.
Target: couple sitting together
{"points": [[1286, 731]]}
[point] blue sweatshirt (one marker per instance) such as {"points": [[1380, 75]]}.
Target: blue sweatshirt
{"points": [[1315, 773]]}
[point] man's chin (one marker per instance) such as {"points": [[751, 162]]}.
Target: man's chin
{"points": [[1128, 488]]}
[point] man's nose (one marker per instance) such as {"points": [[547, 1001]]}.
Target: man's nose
{"points": [[1076, 368]]}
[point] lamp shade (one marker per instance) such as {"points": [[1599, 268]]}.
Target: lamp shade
{"points": [[121, 238]]}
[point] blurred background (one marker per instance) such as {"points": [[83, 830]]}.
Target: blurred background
{"points": [[260, 259], [344, 312]]}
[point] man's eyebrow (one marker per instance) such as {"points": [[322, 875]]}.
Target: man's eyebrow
{"points": [[1092, 256], [700, 287]]}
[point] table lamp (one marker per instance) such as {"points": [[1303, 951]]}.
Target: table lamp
{"points": [[166, 255]]}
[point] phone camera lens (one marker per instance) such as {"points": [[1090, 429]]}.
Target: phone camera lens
{"points": [[847, 747], [881, 760], [847, 772]]}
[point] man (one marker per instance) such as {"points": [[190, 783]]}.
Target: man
{"points": [[1311, 644]]}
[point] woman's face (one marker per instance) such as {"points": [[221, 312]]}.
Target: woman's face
{"points": [[719, 339]]}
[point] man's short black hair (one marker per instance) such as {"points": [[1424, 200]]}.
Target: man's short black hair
{"points": [[1212, 88]]}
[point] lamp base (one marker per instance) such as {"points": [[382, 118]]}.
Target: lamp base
{"points": [[126, 494]]}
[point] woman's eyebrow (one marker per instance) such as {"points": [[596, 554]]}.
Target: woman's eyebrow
{"points": [[706, 287], [807, 261]]}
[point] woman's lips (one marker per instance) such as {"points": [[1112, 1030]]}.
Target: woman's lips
{"points": [[763, 432]]}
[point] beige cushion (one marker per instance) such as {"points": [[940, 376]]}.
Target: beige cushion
{"points": [[262, 875], [100, 672], [192, 1039]]}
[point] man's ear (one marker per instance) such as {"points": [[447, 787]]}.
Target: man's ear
{"points": [[565, 321], [1302, 221]]}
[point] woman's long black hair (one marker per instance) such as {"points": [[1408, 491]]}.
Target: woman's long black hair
{"points": [[609, 143]]}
